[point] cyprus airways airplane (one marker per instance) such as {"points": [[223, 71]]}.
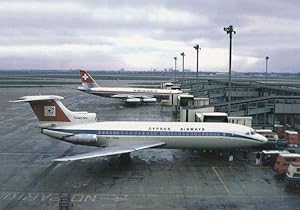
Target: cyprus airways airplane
{"points": [[128, 95], [120, 137]]}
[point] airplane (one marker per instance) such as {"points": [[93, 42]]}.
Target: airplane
{"points": [[127, 94], [124, 137]]}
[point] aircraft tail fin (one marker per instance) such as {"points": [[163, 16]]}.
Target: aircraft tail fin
{"points": [[87, 80], [51, 112]]}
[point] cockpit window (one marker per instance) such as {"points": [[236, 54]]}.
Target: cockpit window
{"points": [[252, 132]]}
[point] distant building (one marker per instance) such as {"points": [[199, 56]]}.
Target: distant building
{"points": [[221, 73]]}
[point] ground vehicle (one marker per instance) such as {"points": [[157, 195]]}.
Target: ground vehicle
{"points": [[283, 161]]}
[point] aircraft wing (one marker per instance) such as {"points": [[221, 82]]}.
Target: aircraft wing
{"points": [[136, 98], [108, 151], [124, 96]]}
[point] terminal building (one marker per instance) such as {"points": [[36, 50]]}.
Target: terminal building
{"points": [[268, 103]]}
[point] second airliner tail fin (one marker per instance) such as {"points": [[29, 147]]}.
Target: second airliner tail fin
{"points": [[87, 80]]}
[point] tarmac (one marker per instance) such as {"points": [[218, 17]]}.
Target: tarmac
{"points": [[152, 179]]}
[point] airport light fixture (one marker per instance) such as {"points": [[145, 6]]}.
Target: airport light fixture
{"points": [[175, 59], [267, 58], [229, 30], [197, 65], [182, 54]]}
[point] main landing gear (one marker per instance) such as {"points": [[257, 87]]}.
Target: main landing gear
{"points": [[125, 157]]}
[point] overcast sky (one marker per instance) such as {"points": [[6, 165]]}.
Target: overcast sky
{"points": [[147, 34]]}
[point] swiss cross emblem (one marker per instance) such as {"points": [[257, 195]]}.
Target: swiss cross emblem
{"points": [[85, 76]]}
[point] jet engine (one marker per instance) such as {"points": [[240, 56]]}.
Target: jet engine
{"points": [[132, 100], [149, 100], [81, 139]]}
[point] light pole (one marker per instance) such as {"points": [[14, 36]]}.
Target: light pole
{"points": [[267, 58], [182, 54], [175, 59], [197, 48], [229, 30]]}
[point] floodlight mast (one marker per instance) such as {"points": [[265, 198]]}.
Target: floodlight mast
{"points": [[182, 54], [229, 30], [197, 48], [267, 58], [175, 59]]}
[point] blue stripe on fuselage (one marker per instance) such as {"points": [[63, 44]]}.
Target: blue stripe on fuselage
{"points": [[153, 133]]}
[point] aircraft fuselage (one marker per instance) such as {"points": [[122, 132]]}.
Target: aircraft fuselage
{"points": [[174, 134], [124, 92]]}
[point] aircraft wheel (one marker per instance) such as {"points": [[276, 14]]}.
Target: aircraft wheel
{"points": [[125, 157], [230, 158]]}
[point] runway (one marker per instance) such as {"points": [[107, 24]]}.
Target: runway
{"points": [[153, 179]]}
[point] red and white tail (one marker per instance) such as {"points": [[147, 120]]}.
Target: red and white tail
{"points": [[87, 80], [51, 112]]}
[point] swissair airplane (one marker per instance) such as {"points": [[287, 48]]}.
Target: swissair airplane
{"points": [[124, 137], [127, 94]]}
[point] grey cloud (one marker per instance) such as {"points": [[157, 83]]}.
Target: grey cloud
{"points": [[280, 60], [63, 61], [80, 24]]}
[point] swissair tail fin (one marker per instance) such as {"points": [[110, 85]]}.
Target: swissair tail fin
{"points": [[87, 80], [51, 112]]}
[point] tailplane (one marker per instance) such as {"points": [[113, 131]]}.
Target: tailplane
{"points": [[87, 80], [51, 112]]}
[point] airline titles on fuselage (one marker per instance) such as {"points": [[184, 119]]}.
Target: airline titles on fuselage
{"points": [[145, 90], [168, 129]]}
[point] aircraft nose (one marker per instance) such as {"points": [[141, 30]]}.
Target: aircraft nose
{"points": [[262, 139]]}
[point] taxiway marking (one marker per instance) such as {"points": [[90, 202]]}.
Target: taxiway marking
{"points": [[227, 190]]}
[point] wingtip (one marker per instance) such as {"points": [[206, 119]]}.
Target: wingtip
{"points": [[60, 160]]}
